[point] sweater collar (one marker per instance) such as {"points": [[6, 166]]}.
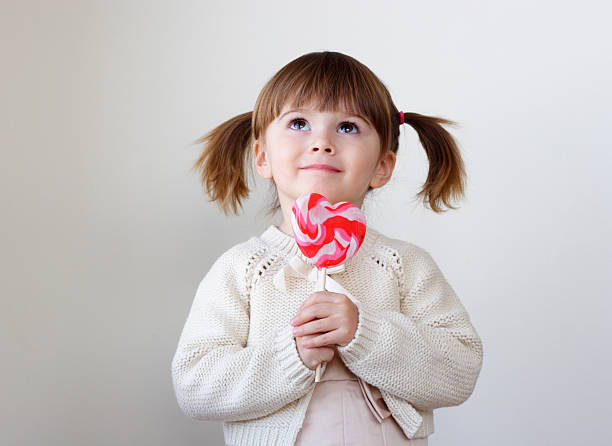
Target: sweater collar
{"points": [[286, 245]]}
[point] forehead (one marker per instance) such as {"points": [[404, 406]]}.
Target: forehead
{"points": [[313, 102]]}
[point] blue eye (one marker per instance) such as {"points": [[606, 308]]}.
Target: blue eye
{"points": [[302, 125], [296, 120], [351, 124]]}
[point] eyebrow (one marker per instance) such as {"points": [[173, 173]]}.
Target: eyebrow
{"points": [[306, 110]]}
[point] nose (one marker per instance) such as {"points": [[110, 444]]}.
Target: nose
{"points": [[327, 149], [322, 140]]}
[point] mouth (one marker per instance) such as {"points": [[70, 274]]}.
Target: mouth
{"points": [[324, 167]]}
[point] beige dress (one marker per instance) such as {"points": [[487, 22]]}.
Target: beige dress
{"points": [[346, 411]]}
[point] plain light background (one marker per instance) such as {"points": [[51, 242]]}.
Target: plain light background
{"points": [[106, 232]]}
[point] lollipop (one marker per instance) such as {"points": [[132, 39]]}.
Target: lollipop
{"points": [[327, 234]]}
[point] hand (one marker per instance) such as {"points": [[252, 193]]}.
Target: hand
{"points": [[312, 357], [332, 314]]}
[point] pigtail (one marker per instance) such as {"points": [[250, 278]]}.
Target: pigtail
{"points": [[225, 162], [446, 177]]}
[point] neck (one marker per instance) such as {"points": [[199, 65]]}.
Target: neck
{"points": [[285, 226], [286, 206]]}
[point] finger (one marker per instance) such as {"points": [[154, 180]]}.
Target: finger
{"points": [[303, 339], [313, 298], [320, 297], [315, 326], [313, 312], [310, 299], [329, 354], [325, 355], [323, 340]]}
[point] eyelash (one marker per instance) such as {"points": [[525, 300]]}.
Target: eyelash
{"points": [[344, 122]]}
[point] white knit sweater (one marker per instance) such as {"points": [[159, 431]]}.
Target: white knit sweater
{"points": [[237, 360]]}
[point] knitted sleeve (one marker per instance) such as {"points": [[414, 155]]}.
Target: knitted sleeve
{"points": [[216, 376], [428, 353]]}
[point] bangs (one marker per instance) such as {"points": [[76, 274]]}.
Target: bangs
{"points": [[327, 81]]}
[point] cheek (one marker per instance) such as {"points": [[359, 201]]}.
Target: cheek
{"points": [[283, 164], [366, 164], [286, 150], [283, 160]]}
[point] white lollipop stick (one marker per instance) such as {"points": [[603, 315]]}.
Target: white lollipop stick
{"points": [[321, 274]]}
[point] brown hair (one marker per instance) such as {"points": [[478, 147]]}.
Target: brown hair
{"points": [[331, 80]]}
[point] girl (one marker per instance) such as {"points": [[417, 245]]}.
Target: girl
{"points": [[256, 330]]}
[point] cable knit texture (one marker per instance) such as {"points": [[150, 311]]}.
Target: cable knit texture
{"points": [[237, 360]]}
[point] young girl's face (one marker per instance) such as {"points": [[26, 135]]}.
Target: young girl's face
{"points": [[333, 153]]}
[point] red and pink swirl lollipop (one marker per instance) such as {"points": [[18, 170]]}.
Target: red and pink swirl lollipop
{"points": [[327, 234]]}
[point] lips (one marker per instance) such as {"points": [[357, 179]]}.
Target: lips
{"points": [[325, 167]]}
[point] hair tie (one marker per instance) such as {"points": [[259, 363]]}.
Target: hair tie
{"points": [[401, 117]]}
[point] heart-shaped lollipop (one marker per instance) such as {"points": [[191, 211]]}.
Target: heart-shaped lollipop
{"points": [[327, 234]]}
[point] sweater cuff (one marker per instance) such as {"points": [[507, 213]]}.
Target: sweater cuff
{"points": [[365, 337], [291, 364]]}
